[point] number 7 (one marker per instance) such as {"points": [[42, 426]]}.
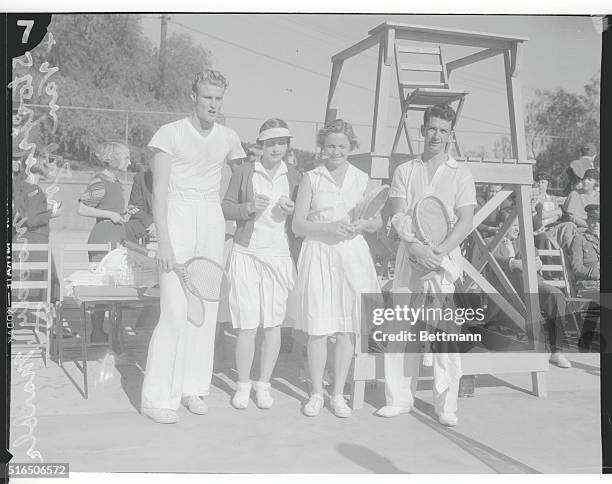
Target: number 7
{"points": [[28, 24]]}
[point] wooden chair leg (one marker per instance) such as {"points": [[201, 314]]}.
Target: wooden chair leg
{"points": [[59, 336], [538, 381], [357, 394], [84, 349]]}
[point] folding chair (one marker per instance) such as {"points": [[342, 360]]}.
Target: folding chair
{"points": [[31, 273], [419, 92], [556, 272], [73, 257]]}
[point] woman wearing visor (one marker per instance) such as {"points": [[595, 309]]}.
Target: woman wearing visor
{"points": [[260, 198]]}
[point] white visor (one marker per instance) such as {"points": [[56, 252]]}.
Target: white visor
{"points": [[274, 133]]}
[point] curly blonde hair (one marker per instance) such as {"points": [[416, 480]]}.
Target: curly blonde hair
{"points": [[108, 153], [337, 126], [209, 76]]}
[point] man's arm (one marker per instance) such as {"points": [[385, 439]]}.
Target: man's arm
{"points": [[161, 170], [465, 218]]}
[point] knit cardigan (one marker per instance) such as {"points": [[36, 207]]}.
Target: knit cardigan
{"points": [[240, 193]]}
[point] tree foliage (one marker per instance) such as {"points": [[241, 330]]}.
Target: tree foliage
{"points": [[558, 122], [106, 61]]}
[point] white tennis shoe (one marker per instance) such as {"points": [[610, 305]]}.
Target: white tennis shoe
{"points": [[241, 398], [314, 405], [262, 395]]}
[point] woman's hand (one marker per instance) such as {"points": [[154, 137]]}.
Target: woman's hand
{"points": [[258, 205], [151, 230], [340, 230], [360, 226], [286, 204], [165, 257], [116, 218]]}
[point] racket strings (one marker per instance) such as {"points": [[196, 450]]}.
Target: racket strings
{"points": [[371, 204], [432, 221], [205, 279]]}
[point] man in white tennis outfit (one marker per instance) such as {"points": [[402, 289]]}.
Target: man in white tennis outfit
{"points": [[189, 157], [433, 173]]}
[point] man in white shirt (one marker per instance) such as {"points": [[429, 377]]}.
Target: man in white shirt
{"points": [[189, 157], [433, 173]]}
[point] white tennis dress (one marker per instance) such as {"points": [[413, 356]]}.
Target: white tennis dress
{"points": [[333, 275]]}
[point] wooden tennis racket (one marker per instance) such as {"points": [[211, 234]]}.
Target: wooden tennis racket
{"points": [[432, 221], [371, 204], [203, 277]]}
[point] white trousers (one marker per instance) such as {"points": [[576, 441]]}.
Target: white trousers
{"points": [[181, 351], [401, 376], [402, 369]]}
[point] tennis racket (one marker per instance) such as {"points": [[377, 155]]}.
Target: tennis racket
{"points": [[203, 277], [432, 221], [371, 204]]}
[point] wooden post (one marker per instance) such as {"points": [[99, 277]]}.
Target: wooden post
{"points": [[381, 101], [515, 104], [330, 113], [530, 282]]}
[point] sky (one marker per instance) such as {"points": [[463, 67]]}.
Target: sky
{"points": [[279, 65]]}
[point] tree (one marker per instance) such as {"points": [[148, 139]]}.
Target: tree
{"points": [[558, 122], [502, 148], [105, 61]]}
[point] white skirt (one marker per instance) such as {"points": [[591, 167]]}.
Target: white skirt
{"points": [[331, 279], [261, 290]]}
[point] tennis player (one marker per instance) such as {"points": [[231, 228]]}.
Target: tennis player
{"points": [[262, 274], [436, 173], [335, 266], [189, 157]]}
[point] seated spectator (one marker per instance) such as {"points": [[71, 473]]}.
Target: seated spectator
{"points": [[588, 153], [546, 207], [584, 260], [584, 249], [552, 300], [32, 211], [492, 223], [578, 199]]}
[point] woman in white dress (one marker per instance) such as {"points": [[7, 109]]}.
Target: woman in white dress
{"points": [[335, 266]]}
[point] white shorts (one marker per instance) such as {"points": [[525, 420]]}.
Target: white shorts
{"points": [[261, 290]]}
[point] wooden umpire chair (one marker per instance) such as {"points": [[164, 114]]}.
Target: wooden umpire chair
{"points": [[28, 276], [418, 91], [65, 302]]}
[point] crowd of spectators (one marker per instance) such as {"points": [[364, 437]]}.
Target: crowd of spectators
{"points": [[569, 224]]}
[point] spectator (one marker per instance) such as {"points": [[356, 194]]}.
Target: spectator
{"points": [[493, 222], [140, 207], [584, 249], [577, 168], [32, 210], [584, 260], [552, 300], [578, 199], [547, 208]]}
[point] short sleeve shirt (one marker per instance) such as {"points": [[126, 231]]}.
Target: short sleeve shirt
{"points": [[269, 236], [94, 193], [575, 203], [452, 183], [197, 161]]}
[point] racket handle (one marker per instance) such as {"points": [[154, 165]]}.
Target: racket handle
{"points": [[138, 248]]}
